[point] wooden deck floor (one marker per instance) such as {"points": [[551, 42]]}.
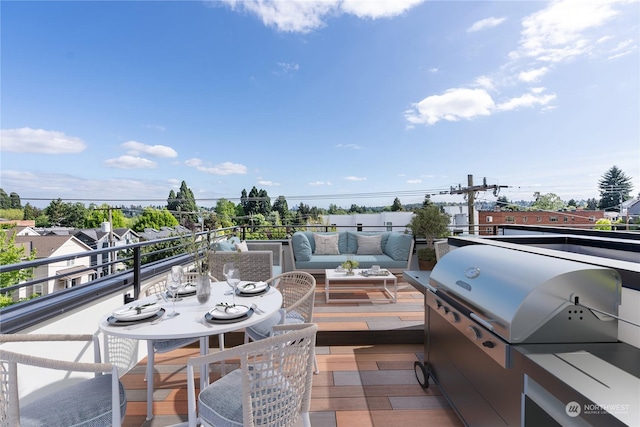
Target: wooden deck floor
{"points": [[366, 380]]}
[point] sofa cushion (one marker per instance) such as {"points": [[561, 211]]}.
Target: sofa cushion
{"points": [[326, 244], [224, 245], [398, 246], [369, 245], [301, 246], [242, 246]]}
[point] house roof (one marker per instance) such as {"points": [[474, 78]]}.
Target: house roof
{"points": [[45, 246]]}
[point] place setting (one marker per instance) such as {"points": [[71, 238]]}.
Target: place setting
{"points": [[136, 314], [228, 313]]}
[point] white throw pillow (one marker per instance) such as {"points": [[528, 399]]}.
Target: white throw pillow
{"points": [[326, 244], [369, 245], [242, 246]]}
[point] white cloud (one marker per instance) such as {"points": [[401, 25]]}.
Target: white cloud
{"points": [[532, 75], [319, 183], [306, 16], [375, 9], [267, 183], [225, 168], [349, 146], [355, 178], [288, 68], [526, 100], [485, 23], [484, 82], [27, 140], [453, 105], [130, 162], [414, 181], [135, 148], [559, 32]]}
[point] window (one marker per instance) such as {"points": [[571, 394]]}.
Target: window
{"points": [[389, 225], [510, 218], [565, 219], [358, 227], [592, 218], [538, 219], [71, 262], [525, 219], [489, 218], [489, 230], [37, 289], [553, 219]]}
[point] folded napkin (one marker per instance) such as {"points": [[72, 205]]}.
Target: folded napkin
{"points": [[136, 311], [253, 287], [228, 311]]}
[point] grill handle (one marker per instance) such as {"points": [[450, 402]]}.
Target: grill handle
{"points": [[480, 320], [576, 301]]}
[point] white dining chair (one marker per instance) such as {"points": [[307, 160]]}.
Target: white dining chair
{"points": [[89, 402], [298, 289], [271, 388]]}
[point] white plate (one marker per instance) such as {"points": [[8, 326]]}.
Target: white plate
{"points": [[252, 287], [229, 312], [130, 313]]}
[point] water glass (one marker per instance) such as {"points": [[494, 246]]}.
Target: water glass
{"points": [[233, 278]]}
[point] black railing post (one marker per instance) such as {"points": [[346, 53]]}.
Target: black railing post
{"points": [[137, 264]]}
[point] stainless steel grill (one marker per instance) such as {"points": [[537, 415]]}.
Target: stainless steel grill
{"points": [[484, 301], [529, 298]]}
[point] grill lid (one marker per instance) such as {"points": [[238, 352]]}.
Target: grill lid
{"points": [[526, 297]]}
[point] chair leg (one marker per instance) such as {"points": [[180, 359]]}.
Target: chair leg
{"points": [[221, 347], [316, 370], [306, 421]]}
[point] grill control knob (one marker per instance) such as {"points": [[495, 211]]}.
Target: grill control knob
{"points": [[488, 344], [453, 317], [474, 333]]}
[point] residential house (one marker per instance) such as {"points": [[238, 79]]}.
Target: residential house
{"points": [[65, 274]]}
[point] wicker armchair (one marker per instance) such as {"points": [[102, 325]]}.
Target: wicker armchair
{"points": [[298, 290], [272, 387], [253, 265], [97, 401]]}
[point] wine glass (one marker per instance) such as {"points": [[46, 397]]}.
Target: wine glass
{"points": [[174, 284], [233, 278], [225, 270]]}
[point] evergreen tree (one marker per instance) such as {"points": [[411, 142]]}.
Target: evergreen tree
{"points": [[5, 201], [14, 200], [55, 213], [30, 212], [396, 206], [264, 203], [615, 188], [183, 206]]}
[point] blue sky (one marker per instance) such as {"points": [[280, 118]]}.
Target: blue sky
{"points": [[337, 101]]}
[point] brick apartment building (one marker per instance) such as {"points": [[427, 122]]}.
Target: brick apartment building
{"points": [[488, 221]]}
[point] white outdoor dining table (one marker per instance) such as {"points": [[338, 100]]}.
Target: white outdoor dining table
{"points": [[188, 324]]}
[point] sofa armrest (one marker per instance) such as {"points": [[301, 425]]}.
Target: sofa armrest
{"points": [[275, 247], [253, 265]]}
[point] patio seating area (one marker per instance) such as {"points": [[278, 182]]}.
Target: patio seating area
{"points": [[365, 352]]}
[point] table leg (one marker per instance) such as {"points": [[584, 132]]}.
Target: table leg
{"points": [[150, 363]]}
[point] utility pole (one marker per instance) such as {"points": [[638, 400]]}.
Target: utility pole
{"points": [[470, 192]]}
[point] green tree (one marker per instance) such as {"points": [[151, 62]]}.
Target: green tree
{"points": [[97, 215], [281, 207], [615, 188], [55, 212], [12, 214], [603, 224], [185, 209], [396, 206], [30, 212], [12, 254], [592, 204], [75, 214], [430, 223], [225, 211], [547, 202], [14, 199], [264, 203], [5, 201], [154, 218]]}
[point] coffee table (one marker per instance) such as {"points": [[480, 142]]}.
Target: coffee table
{"points": [[360, 281]]}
